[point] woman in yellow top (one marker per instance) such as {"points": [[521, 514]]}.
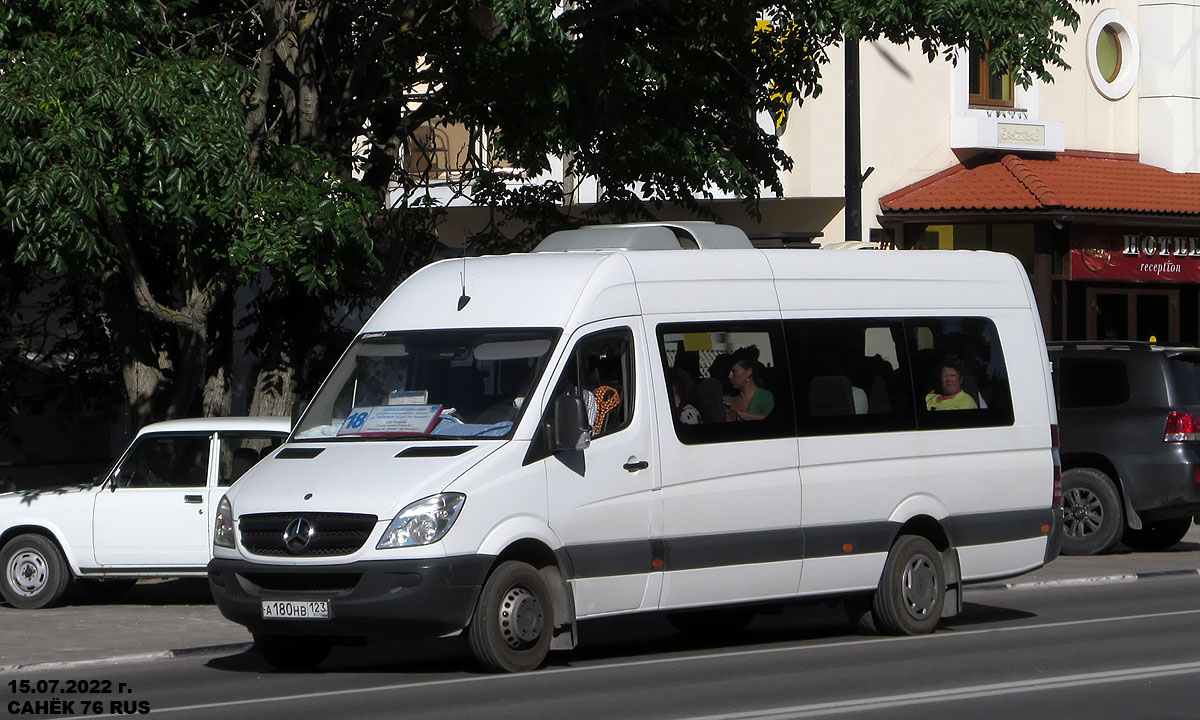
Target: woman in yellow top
{"points": [[951, 395]]}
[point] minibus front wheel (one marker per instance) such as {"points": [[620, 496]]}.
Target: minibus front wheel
{"points": [[513, 622], [912, 589]]}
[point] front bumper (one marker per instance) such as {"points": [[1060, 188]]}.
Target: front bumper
{"points": [[409, 598]]}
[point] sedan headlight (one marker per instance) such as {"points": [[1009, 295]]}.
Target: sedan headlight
{"points": [[223, 527], [423, 522]]}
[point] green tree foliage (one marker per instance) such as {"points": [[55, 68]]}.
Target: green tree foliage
{"points": [[126, 171], [158, 155]]}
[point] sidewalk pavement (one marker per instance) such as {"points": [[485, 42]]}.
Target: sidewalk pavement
{"points": [[168, 618]]}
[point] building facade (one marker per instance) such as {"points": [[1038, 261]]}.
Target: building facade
{"points": [[1093, 181]]}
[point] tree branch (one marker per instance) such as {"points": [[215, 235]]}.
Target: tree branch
{"points": [[190, 319]]}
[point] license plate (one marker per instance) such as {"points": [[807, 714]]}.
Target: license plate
{"points": [[295, 609]]}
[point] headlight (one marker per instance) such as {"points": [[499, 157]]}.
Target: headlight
{"points": [[223, 528], [423, 522]]}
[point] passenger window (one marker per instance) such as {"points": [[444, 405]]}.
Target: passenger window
{"points": [[959, 375], [1087, 382], [600, 370], [727, 381], [851, 375], [165, 461], [241, 451]]}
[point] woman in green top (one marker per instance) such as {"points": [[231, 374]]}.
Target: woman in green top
{"points": [[749, 402]]}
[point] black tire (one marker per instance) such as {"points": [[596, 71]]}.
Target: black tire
{"points": [[1093, 517], [912, 589], [711, 624], [33, 573], [1159, 536], [105, 589], [513, 621], [292, 652]]}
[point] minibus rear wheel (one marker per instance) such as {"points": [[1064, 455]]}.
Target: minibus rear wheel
{"points": [[912, 589], [513, 621]]}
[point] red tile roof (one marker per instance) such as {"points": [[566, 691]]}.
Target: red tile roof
{"points": [[1070, 181]]}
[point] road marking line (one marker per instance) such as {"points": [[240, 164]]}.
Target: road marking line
{"points": [[963, 693], [658, 661]]}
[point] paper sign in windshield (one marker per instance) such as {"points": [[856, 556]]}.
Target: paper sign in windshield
{"points": [[391, 420]]}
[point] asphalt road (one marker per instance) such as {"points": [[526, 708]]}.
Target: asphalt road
{"points": [[1097, 650], [1110, 637]]}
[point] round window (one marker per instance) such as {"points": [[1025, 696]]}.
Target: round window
{"points": [[1112, 56], [1108, 52]]}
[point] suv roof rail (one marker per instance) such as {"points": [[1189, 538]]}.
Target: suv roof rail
{"points": [[1100, 344]]}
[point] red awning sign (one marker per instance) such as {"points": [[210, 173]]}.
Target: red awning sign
{"points": [[1138, 255]]}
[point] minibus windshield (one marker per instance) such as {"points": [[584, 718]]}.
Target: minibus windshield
{"points": [[429, 384]]}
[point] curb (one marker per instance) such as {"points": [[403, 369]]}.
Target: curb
{"points": [[1097, 580], [140, 657]]}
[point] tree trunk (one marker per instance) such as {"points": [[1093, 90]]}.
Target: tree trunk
{"points": [[141, 374], [274, 390], [217, 396]]}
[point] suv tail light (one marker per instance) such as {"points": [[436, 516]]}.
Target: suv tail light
{"points": [[1181, 427], [1057, 501]]}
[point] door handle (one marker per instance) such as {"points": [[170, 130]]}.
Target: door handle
{"points": [[635, 466], [193, 499]]}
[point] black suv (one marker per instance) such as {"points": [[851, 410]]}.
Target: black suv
{"points": [[1129, 429]]}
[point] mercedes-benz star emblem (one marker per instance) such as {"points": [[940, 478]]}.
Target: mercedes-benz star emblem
{"points": [[297, 535]]}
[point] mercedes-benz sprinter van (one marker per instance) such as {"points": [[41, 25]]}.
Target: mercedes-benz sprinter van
{"points": [[653, 418]]}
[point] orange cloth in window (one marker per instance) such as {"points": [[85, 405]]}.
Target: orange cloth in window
{"points": [[607, 398]]}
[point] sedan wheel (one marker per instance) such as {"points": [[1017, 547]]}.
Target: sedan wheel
{"points": [[35, 574]]}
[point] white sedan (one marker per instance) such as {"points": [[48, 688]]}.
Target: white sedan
{"points": [[150, 515]]}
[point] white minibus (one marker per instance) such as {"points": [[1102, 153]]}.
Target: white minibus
{"points": [[653, 417]]}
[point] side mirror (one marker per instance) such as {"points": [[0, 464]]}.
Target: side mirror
{"points": [[570, 427]]}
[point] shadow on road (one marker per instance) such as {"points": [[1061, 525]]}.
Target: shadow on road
{"points": [[627, 638], [981, 614], [1180, 547], [177, 591]]}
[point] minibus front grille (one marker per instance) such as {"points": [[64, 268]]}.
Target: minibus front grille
{"points": [[305, 534]]}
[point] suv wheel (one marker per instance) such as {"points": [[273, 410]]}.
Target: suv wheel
{"points": [[1159, 536], [1093, 518]]}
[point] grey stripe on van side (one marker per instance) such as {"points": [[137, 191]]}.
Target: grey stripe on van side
{"points": [[746, 548], [995, 527], [605, 559], [832, 540], [704, 551]]}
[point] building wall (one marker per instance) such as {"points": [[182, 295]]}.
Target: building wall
{"points": [[1169, 93], [916, 119], [905, 103], [1093, 121]]}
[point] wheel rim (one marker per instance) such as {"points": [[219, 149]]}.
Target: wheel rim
{"points": [[1083, 513], [920, 587], [28, 573], [521, 618]]}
